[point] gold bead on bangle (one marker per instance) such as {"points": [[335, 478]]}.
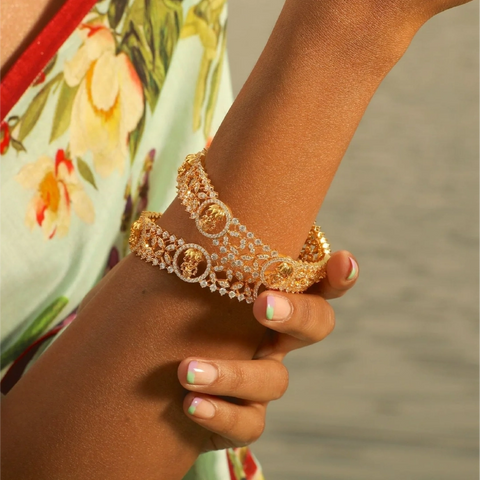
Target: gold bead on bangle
{"points": [[241, 249]]}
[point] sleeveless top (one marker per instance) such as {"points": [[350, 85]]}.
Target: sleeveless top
{"points": [[97, 115]]}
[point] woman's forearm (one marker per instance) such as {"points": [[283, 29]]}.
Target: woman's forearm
{"points": [[278, 148], [104, 401]]}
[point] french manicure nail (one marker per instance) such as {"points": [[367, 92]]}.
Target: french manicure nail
{"points": [[353, 270], [201, 408], [200, 373], [278, 308]]}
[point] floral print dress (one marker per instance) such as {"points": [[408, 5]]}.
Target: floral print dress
{"points": [[96, 116]]}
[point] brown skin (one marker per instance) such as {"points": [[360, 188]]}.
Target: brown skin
{"points": [[254, 383], [20, 22], [104, 400]]}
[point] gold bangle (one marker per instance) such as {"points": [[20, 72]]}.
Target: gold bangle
{"points": [[167, 252], [160, 248], [190, 262], [231, 239]]}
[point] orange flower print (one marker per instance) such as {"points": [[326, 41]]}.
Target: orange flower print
{"points": [[57, 189], [109, 102]]}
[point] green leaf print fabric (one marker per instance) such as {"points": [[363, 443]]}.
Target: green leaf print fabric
{"points": [[93, 141]]}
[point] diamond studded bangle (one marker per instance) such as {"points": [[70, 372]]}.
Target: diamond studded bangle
{"points": [[189, 261], [239, 250]]}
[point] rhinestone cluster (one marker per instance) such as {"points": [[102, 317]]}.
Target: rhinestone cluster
{"points": [[238, 252], [167, 252]]}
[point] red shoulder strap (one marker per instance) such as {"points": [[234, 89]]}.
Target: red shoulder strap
{"points": [[34, 59]]}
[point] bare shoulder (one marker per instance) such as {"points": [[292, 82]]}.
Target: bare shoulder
{"points": [[20, 22]]}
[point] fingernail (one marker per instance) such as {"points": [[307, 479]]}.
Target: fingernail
{"points": [[278, 308], [200, 373], [353, 270], [201, 408]]}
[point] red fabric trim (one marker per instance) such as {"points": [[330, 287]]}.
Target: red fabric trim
{"points": [[230, 467], [17, 368], [34, 59], [15, 372], [249, 465]]}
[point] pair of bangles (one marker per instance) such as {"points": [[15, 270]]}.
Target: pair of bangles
{"points": [[239, 263]]}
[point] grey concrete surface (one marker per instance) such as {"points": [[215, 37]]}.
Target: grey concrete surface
{"points": [[393, 392]]}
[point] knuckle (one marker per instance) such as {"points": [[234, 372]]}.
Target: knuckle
{"points": [[282, 381], [258, 429], [231, 377], [231, 420], [286, 380], [329, 318], [317, 319], [308, 314], [239, 378]]}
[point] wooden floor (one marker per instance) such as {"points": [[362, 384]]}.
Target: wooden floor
{"points": [[393, 393]]}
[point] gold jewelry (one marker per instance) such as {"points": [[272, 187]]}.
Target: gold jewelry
{"points": [[189, 261], [246, 255], [160, 248]]}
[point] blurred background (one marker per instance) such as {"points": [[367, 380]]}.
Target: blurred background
{"points": [[393, 392]]}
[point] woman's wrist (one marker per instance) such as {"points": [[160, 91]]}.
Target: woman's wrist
{"points": [[365, 36], [279, 146], [320, 68]]}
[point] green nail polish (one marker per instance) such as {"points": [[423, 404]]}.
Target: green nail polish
{"points": [[270, 307], [353, 270], [191, 372], [193, 406]]}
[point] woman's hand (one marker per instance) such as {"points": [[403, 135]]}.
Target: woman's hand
{"points": [[293, 321]]}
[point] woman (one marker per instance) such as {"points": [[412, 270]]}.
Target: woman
{"points": [[328, 49], [52, 218]]}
